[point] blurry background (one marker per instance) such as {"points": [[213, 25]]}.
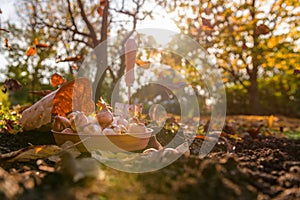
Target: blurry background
{"points": [[254, 43]]}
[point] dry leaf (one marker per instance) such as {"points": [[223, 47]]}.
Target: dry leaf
{"points": [[38, 114], [206, 23], [103, 3], [42, 45], [31, 51], [75, 67], [6, 44], [262, 29], [31, 153], [35, 41], [57, 79], [100, 11], [76, 95], [270, 121], [68, 59], [244, 46]]}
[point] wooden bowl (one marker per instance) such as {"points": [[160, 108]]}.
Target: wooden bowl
{"points": [[114, 143]]}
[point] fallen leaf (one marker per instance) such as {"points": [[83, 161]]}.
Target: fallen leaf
{"points": [[76, 95], [31, 51], [38, 114], [31, 153], [57, 80], [270, 121], [38, 149], [254, 131]]}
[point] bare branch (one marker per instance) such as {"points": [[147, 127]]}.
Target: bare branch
{"points": [[125, 12], [82, 41], [88, 24], [234, 75], [63, 28], [71, 15], [111, 73]]}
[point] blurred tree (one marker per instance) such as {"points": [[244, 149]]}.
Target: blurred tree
{"points": [[31, 71], [82, 25], [72, 29], [251, 39]]}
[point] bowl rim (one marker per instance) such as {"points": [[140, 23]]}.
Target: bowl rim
{"points": [[148, 131]]}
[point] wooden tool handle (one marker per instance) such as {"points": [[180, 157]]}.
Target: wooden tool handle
{"points": [[130, 56]]}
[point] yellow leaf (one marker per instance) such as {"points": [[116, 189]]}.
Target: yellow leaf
{"points": [[35, 41], [272, 42], [270, 121]]}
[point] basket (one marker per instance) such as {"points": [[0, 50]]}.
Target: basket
{"points": [[114, 143]]}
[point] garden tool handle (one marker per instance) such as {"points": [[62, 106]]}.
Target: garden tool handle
{"points": [[130, 56]]}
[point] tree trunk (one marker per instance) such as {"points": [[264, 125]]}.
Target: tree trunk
{"points": [[102, 58], [253, 92]]}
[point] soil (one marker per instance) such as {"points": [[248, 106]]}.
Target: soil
{"points": [[264, 167]]}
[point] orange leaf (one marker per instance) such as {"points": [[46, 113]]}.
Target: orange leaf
{"points": [[103, 3], [200, 137], [75, 67], [57, 79], [35, 41], [143, 64], [42, 45], [75, 95], [206, 23], [30, 51], [5, 42], [100, 11], [262, 29], [39, 148]]}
